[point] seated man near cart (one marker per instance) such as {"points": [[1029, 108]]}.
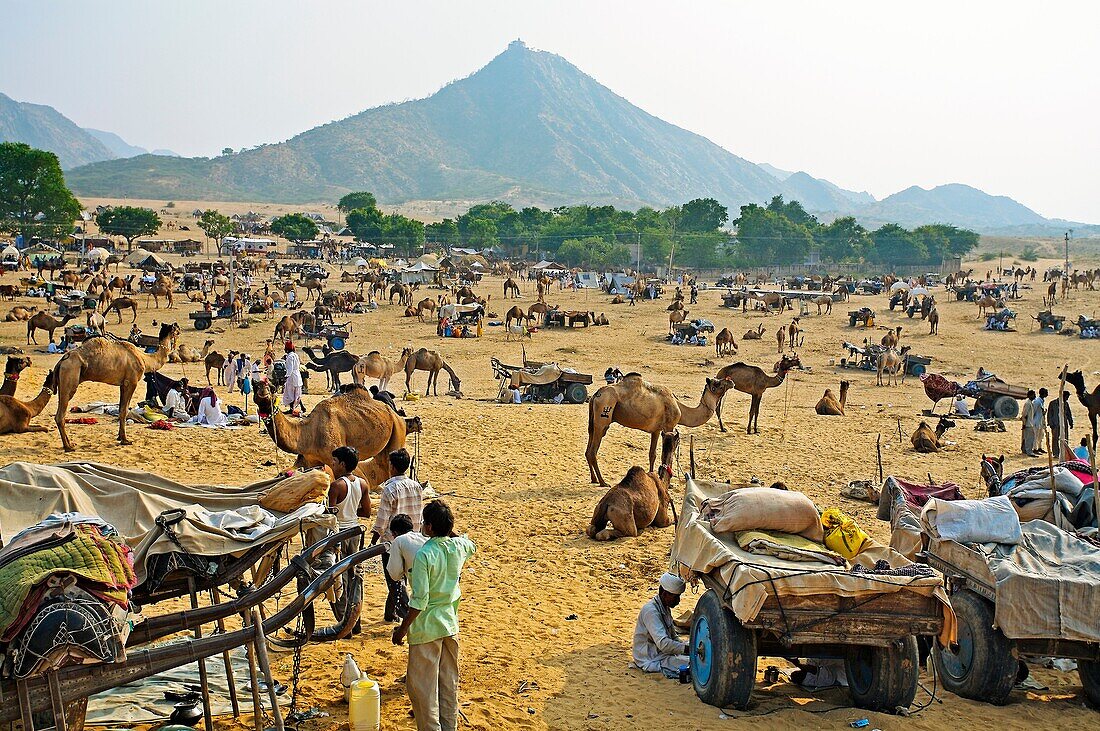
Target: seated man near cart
{"points": [[657, 647]]}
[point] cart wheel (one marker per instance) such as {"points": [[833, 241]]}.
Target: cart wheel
{"points": [[883, 678], [1057, 325], [916, 369], [202, 324], [1005, 407], [983, 667], [723, 655], [851, 322], [336, 343], [576, 393], [1089, 670]]}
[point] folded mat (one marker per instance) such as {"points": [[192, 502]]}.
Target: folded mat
{"points": [[993, 520], [786, 546]]}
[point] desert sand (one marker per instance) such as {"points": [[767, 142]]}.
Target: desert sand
{"points": [[547, 614]]}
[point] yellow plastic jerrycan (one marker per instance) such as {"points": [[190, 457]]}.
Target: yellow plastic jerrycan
{"points": [[364, 706]]}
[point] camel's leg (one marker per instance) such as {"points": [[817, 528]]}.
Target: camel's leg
{"points": [[596, 432], [653, 449], [754, 415], [64, 393], [126, 393], [408, 381], [718, 411]]}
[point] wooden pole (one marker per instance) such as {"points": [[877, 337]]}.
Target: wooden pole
{"points": [[1063, 438], [1095, 483], [260, 641], [1053, 487], [204, 682], [227, 661], [257, 706]]}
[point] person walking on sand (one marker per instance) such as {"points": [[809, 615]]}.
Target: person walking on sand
{"points": [[432, 622], [292, 389], [400, 494]]}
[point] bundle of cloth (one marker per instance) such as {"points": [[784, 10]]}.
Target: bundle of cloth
{"points": [[901, 503], [1031, 495]]}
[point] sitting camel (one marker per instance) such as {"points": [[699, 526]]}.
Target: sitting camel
{"points": [[639, 501], [16, 415], [927, 441], [829, 405], [756, 334], [754, 381], [16, 365], [432, 362], [376, 365], [20, 314], [890, 362], [636, 404], [724, 344]]}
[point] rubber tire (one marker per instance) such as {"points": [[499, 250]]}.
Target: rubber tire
{"points": [[202, 323], [1006, 407], [883, 679], [336, 343], [722, 655], [1057, 325], [989, 673], [917, 369], [576, 393], [1089, 670]]}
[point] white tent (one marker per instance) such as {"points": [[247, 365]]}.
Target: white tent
{"points": [[150, 260], [918, 291], [418, 273], [899, 285], [137, 256], [10, 252], [97, 254], [360, 262]]}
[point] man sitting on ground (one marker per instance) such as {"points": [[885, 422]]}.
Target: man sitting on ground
{"points": [[657, 647], [175, 405]]}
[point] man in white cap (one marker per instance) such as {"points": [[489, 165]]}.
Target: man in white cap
{"points": [[657, 648]]}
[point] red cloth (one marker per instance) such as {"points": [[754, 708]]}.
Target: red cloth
{"points": [[936, 387]]}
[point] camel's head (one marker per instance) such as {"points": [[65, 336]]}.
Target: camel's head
{"points": [[1076, 379], [407, 352], [944, 424], [718, 386], [169, 331], [789, 362], [16, 364], [905, 349]]}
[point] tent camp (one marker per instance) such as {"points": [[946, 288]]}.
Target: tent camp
{"points": [[618, 283], [142, 259], [97, 255], [418, 273], [588, 280], [10, 253]]}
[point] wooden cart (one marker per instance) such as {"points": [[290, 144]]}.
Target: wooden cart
{"points": [[1049, 321], [997, 397], [571, 386], [864, 316]]}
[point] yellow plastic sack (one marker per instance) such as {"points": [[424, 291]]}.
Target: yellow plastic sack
{"points": [[842, 534], [288, 495]]}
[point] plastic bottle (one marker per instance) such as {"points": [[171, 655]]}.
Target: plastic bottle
{"points": [[364, 707], [349, 675]]}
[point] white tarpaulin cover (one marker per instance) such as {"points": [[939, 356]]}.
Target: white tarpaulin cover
{"points": [[217, 519]]}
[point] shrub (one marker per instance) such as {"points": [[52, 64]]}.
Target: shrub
{"points": [[1030, 253]]}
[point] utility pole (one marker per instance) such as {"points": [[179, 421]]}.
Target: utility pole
{"points": [[1068, 234]]}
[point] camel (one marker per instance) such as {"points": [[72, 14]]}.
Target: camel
{"points": [[636, 404], [829, 405], [781, 338], [16, 364], [96, 322], [352, 417], [411, 311], [675, 318], [639, 501], [825, 300], [892, 337], [1090, 401], [933, 320], [432, 362], [333, 363], [618, 300], [756, 334], [601, 319], [677, 304], [20, 314], [376, 365], [510, 285], [161, 288], [292, 325], [314, 288], [425, 305], [724, 344], [114, 362], [119, 304], [796, 334], [214, 361], [989, 303], [403, 292], [44, 321], [754, 381], [515, 313], [891, 361], [186, 354], [927, 441], [16, 415]]}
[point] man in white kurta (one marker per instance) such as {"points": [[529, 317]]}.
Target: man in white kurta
{"points": [[656, 645], [292, 391]]}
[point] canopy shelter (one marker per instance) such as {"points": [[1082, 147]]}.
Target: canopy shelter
{"points": [[97, 255], [899, 285], [418, 273], [149, 261], [619, 283], [10, 252], [360, 262]]}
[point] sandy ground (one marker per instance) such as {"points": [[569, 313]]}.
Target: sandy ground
{"points": [[551, 612]]}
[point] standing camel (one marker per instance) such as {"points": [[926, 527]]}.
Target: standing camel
{"points": [[891, 361], [511, 286], [636, 404], [214, 361], [333, 363], [114, 362], [675, 318], [119, 304], [376, 365], [796, 333], [44, 321], [829, 405], [892, 338], [754, 381], [639, 501], [432, 362], [933, 320], [781, 339], [724, 344], [161, 288], [16, 415]]}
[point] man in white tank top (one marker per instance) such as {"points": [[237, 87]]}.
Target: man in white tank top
{"points": [[345, 494]]}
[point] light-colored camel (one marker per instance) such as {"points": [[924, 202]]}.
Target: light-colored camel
{"points": [[376, 365], [636, 404], [119, 304], [781, 339], [933, 321], [186, 354], [829, 405], [824, 300], [675, 318], [756, 334], [432, 362], [161, 288], [351, 418], [511, 287], [96, 322], [724, 344], [754, 381], [114, 362], [639, 501], [927, 441], [892, 337], [16, 415], [214, 361], [890, 362], [44, 321], [20, 314], [989, 303]]}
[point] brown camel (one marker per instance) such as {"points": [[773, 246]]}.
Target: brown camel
{"points": [[119, 304], [891, 361], [411, 311], [639, 501], [511, 286], [161, 288], [432, 362], [425, 305], [16, 364], [187, 354], [636, 404], [314, 288], [756, 334], [376, 365], [927, 441], [724, 344], [754, 381], [892, 337], [539, 308], [617, 300], [515, 313], [781, 338], [214, 361], [114, 362], [677, 304], [20, 314], [796, 334], [1090, 401], [16, 415], [351, 418], [829, 405], [292, 325], [675, 318], [933, 321], [44, 321], [989, 303]]}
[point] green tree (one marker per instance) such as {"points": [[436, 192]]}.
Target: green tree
{"points": [[404, 233], [702, 215], [296, 227], [765, 236], [32, 186], [943, 240], [793, 212], [842, 240], [894, 245], [365, 224], [361, 199], [216, 226], [481, 233], [129, 222], [443, 232], [593, 252]]}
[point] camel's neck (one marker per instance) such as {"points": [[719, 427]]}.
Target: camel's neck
{"points": [[284, 432], [843, 396], [38, 403], [155, 361], [697, 415]]}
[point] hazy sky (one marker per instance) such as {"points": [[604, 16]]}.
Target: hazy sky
{"points": [[874, 96]]}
